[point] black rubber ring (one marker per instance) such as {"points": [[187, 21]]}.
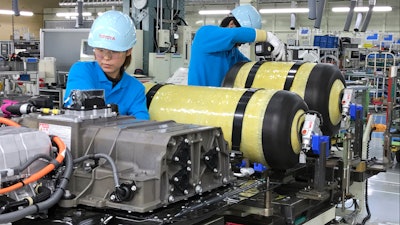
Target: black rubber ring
{"points": [[238, 118], [230, 76], [150, 94], [252, 74], [291, 74]]}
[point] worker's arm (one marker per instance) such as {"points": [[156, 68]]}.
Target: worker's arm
{"points": [[80, 77], [210, 39]]}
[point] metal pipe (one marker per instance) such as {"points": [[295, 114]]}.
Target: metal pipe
{"points": [[350, 15], [312, 6], [79, 19], [293, 21], [293, 16], [15, 7], [346, 168], [268, 209], [320, 10], [358, 22], [368, 16]]}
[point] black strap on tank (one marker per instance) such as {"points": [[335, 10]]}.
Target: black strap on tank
{"points": [[238, 118], [150, 94], [291, 74], [252, 74]]}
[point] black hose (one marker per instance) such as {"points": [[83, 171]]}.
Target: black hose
{"points": [[48, 203], [43, 194], [368, 216], [106, 157], [25, 165]]}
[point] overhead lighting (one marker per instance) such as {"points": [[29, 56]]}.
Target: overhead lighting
{"points": [[284, 10], [363, 9], [72, 14], [10, 12], [214, 12]]}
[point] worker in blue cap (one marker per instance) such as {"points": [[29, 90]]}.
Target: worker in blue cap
{"points": [[215, 48], [112, 36]]}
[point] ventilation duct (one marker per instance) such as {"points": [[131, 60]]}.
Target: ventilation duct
{"points": [[320, 10], [79, 18], [15, 7], [292, 21], [313, 9], [293, 16], [358, 22], [350, 15], [368, 16]]}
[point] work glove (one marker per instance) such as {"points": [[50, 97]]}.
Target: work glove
{"points": [[279, 47]]}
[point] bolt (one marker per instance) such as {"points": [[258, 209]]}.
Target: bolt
{"points": [[198, 189], [133, 188], [207, 158], [217, 149], [215, 170], [185, 192], [171, 198], [176, 159], [176, 179], [189, 162], [112, 197]]}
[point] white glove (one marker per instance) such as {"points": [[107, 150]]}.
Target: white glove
{"points": [[279, 47]]}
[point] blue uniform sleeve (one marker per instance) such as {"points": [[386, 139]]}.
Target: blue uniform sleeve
{"points": [[138, 108], [79, 78], [216, 39]]}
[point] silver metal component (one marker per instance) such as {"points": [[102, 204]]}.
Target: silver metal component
{"points": [[198, 189], [148, 153], [310, 128]]}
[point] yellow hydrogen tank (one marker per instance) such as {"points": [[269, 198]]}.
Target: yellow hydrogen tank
{"points": [[263, 124], [321, 85]]}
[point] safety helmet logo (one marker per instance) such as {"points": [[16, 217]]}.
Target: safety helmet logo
{"points": [[107, 37]]}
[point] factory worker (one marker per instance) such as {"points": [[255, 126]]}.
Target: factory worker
{"points": [[112, 36], [214, 49]]}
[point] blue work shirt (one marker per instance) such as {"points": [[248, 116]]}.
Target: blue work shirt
{"points": [[128, 93], [214, 52]]}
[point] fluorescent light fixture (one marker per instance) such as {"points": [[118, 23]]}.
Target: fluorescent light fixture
{"points": [[363, 9], [214, 12], [72, 14], [10, 12], [285, 10]]}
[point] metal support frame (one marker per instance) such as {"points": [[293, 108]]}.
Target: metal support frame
{"points": [[147, 20]]}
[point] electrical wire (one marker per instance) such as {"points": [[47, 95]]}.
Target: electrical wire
{"points": [[44, 171], [48, 203], [9, 122], [368, 216], [106, 157]]}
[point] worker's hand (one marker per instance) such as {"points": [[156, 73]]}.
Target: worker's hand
{"points": [[279, 47]]}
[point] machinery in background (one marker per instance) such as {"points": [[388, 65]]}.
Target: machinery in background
{"points": [[163, 64], [161, 172]]}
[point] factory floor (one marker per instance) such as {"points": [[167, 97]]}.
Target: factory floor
{"points": [[383, 188], [384, 197]]}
